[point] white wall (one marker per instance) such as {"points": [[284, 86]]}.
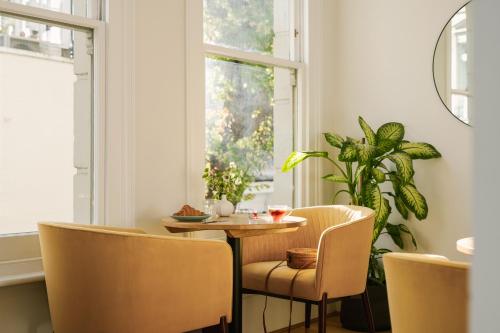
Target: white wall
{"points": [[485, 287], [24, 309], [378, 64], [160, 153]]}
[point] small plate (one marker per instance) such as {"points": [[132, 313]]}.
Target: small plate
{"points": [[191, 218]]}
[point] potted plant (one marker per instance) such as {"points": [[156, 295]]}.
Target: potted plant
{"points": [[362, 167], [229, 180]]}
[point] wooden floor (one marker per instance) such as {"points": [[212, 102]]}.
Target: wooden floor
{"points": [[332, 326]]}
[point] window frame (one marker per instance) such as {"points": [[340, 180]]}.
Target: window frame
{"points": [[14, 246], [306, 48]]}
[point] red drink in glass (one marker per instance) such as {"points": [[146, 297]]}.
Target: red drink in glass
{"points": [[278, 212]]}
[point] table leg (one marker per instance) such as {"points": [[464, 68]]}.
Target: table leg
{"points": [[236, 324]]}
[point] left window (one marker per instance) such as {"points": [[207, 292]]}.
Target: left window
{"points": [[47, 114], [86, 8]]}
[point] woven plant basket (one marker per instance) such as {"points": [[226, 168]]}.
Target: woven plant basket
{"points": [[301, 258]]}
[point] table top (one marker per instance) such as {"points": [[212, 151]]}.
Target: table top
{"points": [[466, 245], [238, 225]]}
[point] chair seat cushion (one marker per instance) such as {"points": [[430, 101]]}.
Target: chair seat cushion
{"points": [[254, 278]]}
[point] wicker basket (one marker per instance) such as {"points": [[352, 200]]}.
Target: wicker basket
{"points": [[301, 258]]}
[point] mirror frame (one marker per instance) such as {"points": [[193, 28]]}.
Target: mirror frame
{"points": [[434, 59]]}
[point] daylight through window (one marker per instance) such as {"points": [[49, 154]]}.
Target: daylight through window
{"points": [[250, 101]]}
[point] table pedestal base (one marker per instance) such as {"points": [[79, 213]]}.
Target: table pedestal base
{"points": [[236, 324]]}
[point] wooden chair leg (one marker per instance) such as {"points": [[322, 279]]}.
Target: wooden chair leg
{"points": [[368, 312], [322, 314], [308, 315], [223, 326]]}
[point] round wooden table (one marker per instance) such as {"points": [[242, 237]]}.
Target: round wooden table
{"points": [[466, 245], [237, 227]]}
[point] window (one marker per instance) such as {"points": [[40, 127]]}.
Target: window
{"points": [[87, 8], [460, 93], [252, 54], [47, 111]]}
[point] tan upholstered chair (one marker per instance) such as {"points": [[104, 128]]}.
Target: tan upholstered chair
{"points": [[343, 236], [427, 293], [112, 280]]}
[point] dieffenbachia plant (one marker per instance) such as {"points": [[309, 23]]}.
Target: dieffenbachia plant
{"points": [[364, 165]]}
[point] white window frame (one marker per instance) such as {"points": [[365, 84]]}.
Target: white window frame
{"points": [[307, 65], [22, 249]]}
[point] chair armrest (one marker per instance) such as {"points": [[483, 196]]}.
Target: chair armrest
{"points": [[343, 256]]}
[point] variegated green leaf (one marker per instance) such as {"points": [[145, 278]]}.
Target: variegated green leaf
{"points": [[348, 153], [297, 157], [404, 228], [382, 251], [395, 233], [378, 175], [390, 135], [358, 173], [335, 178], [365, 152], [378, 203], [334, 140], [414, 200], [369, 133], [419, 150], [391, 131], [400, 206], [396, 182], [404, 165]]}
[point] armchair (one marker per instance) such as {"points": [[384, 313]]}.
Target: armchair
{"points": [[343, 237], [104, 279], [427, 293]]}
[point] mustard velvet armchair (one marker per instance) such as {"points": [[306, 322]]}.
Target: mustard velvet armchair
{"points": [[342, 235], [427, 293], [109, 280]]}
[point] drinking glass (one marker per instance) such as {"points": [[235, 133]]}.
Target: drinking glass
{"points": [[278, 212]]}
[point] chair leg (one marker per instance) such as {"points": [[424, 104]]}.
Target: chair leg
{"points": [[308, 315], [223, 326], [368, 311], [322, 314]]}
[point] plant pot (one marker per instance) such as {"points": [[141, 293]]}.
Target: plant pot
{"points": [[352, 315]]}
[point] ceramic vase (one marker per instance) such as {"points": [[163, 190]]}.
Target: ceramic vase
{"points": [[224, 207]]}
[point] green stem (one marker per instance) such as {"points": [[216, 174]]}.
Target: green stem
{"points": [[338, 166], [351, 185]]}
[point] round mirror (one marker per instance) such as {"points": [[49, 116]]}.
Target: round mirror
{"points": [[451, 65]]}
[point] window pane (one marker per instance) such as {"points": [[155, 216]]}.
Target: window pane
{"points": [[459, 50], [38, 38], [459, 107], [262, 26], [45, 141], [76, 7], [249, 132]]}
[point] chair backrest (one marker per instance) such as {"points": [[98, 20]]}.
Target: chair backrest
{"points": [[319, 218], [344, 253], [101, 280], [427, 293]]}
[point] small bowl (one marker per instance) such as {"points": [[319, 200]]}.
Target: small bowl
{"points": [[197, 218]]}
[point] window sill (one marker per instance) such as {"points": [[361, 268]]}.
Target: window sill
{"points": [[15, 272]]}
